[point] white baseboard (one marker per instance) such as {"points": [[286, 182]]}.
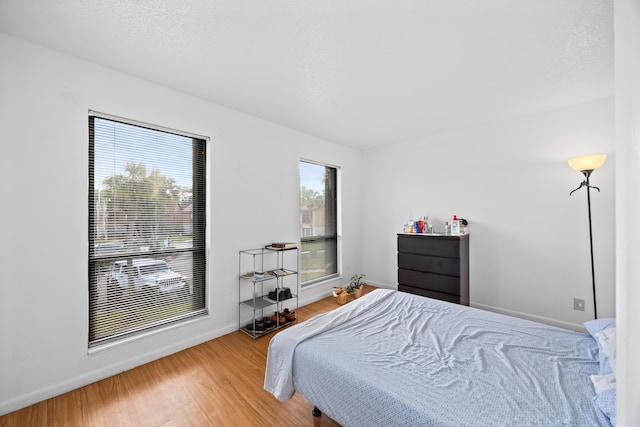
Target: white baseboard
{"points": [[382, 285], [533, 317], [539, 319]]}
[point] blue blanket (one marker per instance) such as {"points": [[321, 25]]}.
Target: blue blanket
{"points": [[410, 360]]}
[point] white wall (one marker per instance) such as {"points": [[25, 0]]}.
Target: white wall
{"points": [[43, 160], [529, 243], [627, 24]]}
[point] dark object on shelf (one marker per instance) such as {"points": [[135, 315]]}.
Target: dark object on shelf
{"points": [[290, 316], [259, 326], [277, 318], [283, 294], [434, 266], [268, 323], [316, 412]]}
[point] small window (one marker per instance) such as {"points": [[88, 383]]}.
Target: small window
{"points": [[318, 222], [147, 265]]}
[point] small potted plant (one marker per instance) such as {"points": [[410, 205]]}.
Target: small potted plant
{"points": [[355, 285]]}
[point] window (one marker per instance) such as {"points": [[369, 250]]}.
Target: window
{"points": [[147, 264], [318, 222]]}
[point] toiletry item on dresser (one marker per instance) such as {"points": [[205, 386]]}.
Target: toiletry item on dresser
{"points": [[455, 226], [422, 224], [409, 227]]}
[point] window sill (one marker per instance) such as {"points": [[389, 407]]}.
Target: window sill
{"points": [[322, 281], [126, 340]]}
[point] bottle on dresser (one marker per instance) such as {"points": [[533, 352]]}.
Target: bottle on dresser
{"points": [[455, 226], [422, 224]]}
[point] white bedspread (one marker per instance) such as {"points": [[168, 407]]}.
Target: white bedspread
{"points": [[279, 371]]}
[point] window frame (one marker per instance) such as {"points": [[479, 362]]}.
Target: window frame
{"points": [[338, 226], [198, 248]]}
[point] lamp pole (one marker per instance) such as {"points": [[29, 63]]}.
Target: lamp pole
{"points": [[587, 173], [585, 183], [586, 165]]}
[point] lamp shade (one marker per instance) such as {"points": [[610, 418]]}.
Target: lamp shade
{"points": [[586, 163]]}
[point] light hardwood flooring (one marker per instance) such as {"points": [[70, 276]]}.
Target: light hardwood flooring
{"points": [[217, 383]]}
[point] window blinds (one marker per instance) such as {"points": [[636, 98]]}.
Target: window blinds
{"points": [[147, 207]]}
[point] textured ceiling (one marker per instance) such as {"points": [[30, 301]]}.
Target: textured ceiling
{"points": [[358, 72]]}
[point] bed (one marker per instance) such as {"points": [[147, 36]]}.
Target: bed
{"points": [[392, 358]]}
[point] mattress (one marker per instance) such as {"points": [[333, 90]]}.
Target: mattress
{"points": [[392, 358]]}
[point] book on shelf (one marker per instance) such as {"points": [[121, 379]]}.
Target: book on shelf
{"points": [[255, 276], [278, 272], [281, 245]]}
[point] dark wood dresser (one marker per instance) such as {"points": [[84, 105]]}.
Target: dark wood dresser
{"points": [[435, 266]]}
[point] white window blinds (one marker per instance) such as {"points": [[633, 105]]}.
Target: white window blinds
{"points": [[147, 264]]}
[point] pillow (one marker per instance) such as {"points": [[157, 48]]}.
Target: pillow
{"points": [[594, 327], [602, 383], [597, 325], [607, 342]]}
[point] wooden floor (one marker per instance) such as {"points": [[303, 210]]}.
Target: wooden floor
{"points": [[217, 383]]}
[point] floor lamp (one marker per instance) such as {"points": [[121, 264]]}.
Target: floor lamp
{"points": [[586, 165]]}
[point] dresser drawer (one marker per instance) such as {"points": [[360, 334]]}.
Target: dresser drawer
{"points": [[436, 295], [429, 281], [430, 245], [429, 264]]}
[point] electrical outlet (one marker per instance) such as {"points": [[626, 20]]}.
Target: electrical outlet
{"points": [[578, 304]]}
